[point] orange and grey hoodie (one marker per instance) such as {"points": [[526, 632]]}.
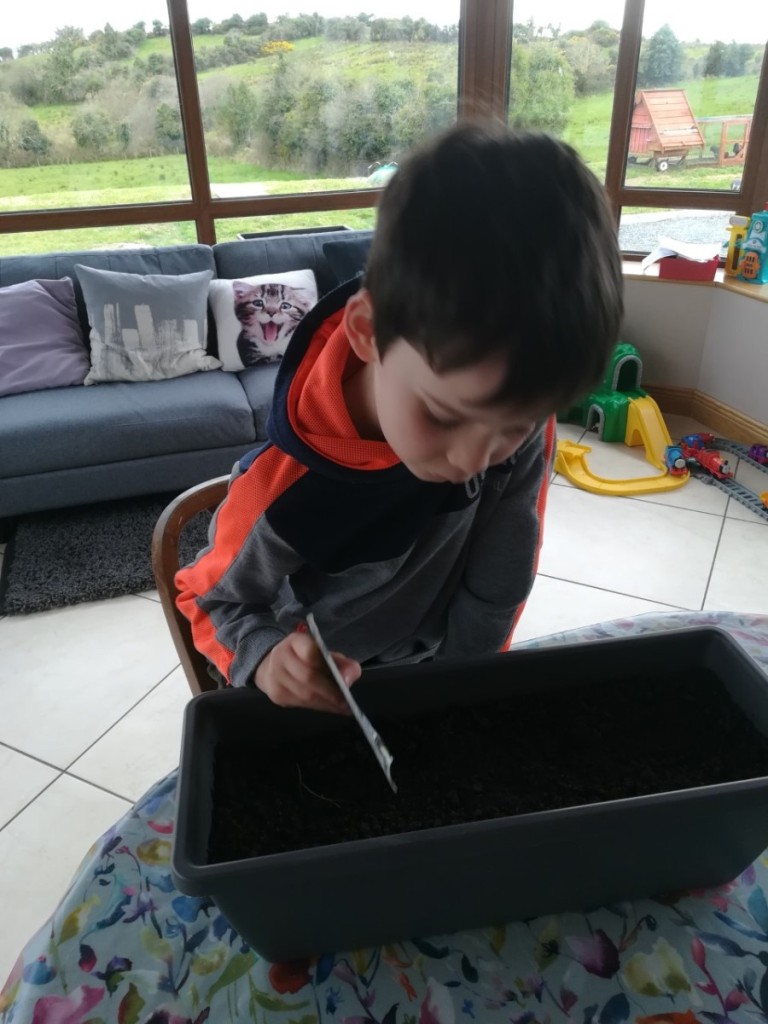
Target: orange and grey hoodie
{"points": [[394, 568]]}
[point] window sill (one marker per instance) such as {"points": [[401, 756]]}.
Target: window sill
{"points": [[632, 271]]}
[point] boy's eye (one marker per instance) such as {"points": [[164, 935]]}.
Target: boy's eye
{"points": [[517, 432], [438, 421]]}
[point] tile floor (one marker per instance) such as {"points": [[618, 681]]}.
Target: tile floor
{"points": [[91, 696]]}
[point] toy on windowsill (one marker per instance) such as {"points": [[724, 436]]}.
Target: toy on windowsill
{"points": [[753, 259], [737, 232]]}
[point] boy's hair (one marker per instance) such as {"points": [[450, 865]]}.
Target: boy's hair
{"points": [[489, 242]]}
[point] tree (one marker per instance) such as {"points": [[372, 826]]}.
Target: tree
{"points": [[255, 25], [159, 64], [664, 59], [201, 27], [602, 35], [32, 140], [159, 29], [168, 128], [541, 87], [237, 114], [136, 34], [113, 44], [593, 70], [279, 100], [735, 59], [92, 130], [6, 53], [123, 134], [6, 143], [234, 23], [62, 65], [713, 64]]}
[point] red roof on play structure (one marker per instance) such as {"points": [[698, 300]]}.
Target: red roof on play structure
{"points": [[663, 120]]}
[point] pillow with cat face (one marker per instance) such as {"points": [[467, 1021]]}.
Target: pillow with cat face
{"points": [[256, 316]]}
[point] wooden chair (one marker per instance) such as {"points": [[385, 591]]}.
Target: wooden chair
{"points": [[165, 563]]}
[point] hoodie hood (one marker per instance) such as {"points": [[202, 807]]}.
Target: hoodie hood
{"points": [[309, 418]]}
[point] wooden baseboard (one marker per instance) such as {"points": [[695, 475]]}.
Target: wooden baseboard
{"points": [[723, 419], [677, 401]]}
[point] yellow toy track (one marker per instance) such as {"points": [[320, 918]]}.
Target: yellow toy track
{"points": [[571, 461]]}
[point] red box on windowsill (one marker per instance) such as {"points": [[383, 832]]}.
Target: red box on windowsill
{"points": [[675, 268]]}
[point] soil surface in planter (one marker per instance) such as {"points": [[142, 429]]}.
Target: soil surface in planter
{"points": [[538, 751]]}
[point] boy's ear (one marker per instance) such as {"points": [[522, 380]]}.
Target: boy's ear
{"points": [[358, 325]]}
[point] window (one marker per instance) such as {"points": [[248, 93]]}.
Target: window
{"points": [[563, 71], [692, 119], [190, 124], [68, 136], [324, 101]]}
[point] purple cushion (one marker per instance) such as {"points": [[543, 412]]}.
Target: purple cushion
{"points": [[41, 341]]}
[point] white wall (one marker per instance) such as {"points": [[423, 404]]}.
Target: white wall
{"points": [[701, 336], [734, 365], [668, 323]]}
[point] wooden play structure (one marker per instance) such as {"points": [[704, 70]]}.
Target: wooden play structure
{"points": [[665, 132], [734, 138]]}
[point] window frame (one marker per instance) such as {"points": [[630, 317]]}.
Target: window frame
{"points": [[485, 42]]}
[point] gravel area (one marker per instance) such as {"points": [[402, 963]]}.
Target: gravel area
{"points": [[640, 232]]}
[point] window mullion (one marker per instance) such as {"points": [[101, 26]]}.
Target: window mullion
{"points": [[191, 119], [485, 41], [623, 100], [754, 180]]}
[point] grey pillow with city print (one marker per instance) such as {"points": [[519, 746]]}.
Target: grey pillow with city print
{"points": [[146, 326]]}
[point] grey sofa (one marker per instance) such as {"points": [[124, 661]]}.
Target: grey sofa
{"points": [[76, 445]]}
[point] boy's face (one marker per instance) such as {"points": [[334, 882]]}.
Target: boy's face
{"points": [[440, 425]]}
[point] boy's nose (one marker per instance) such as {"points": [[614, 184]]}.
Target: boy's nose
{"points": [[470, 456]]}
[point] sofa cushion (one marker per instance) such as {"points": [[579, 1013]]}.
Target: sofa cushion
{"points": [[259, 384], [256, 316], [41, 341], [146, 326], [71, 427], [347, 257], [279, 253], [170, 259]]}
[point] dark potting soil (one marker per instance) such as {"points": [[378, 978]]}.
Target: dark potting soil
{"points": [[538, 751]]}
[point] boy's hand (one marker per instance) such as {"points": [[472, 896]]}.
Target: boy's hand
{"points": [[294, 674]]}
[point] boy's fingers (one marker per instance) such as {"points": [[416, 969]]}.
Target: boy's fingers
{"points": [[301, 678], [349, 668], [308, 679]]}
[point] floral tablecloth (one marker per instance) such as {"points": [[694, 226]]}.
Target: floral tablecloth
{"points": [[125, 946]]}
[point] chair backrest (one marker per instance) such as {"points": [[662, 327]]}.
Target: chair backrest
{"points": [[165, 564]]}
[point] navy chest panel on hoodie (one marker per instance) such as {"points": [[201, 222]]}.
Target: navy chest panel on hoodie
{"points": [[336, 523]]}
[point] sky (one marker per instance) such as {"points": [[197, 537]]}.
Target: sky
{"points": [[24, 22]]}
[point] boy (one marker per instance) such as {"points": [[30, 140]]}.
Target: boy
{"points": [[401, 492]]}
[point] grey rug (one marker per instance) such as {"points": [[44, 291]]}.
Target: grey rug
{"points": [[87, 553]]}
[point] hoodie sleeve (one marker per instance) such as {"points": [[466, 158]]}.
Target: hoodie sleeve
{"points": [[227, 593], [504, 549]]}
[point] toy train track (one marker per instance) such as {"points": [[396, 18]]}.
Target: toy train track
{"points": [[722, 444], [733, 489]]}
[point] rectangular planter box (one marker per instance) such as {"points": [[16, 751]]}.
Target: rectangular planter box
{"points": [[365, 892]]}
